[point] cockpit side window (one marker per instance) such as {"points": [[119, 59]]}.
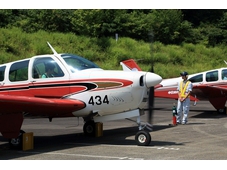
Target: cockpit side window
{"points": [[19, 71], [212, 76], [2, 73], [46, 67], [197, 78], [224, 74]]}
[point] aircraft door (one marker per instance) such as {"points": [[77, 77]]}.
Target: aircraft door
{"points": [[48, 78]]}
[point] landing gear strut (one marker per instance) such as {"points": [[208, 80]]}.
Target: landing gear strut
{"points": [[143, 137]]}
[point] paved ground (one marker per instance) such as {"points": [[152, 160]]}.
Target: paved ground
{"points": [[203, 138]]}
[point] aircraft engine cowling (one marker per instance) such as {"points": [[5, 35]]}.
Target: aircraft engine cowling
{"points": [[152, 79]]}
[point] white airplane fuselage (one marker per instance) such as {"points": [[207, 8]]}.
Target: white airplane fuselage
{"points": [[101, 91], [66, 85], [113, 93]]}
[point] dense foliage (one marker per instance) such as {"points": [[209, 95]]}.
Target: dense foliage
{"points": [[170, 26], [171, 40], [168, 60]]}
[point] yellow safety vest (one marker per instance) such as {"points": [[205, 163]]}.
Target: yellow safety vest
{"points": [[182, 90]]}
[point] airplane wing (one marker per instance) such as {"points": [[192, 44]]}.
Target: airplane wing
{"points": [[47, 107], [215, 94], [14, 108], [209, 91]]}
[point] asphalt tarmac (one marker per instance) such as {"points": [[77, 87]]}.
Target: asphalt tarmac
{"points": [[203, 138]]}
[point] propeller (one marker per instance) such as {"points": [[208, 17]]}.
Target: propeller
{"points": [[151, 105], [151, 90]]}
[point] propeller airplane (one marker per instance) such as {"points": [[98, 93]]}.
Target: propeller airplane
{"points": [[66, 85], [209, 86]]}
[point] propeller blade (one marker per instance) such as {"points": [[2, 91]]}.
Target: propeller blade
{"points": [[151, 90], [151, 105], [151, 100]]}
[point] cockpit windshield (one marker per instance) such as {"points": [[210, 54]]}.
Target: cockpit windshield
{"points": [[78, 63]]}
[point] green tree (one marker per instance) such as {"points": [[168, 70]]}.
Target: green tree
{"points": [[86, 22], [51, 20], [199, 16], [168, 26], [6, 17]]}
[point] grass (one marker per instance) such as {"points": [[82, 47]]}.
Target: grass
{"points": [[168, 60]]}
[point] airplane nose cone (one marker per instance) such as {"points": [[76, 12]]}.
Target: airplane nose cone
{"points": [[152, 79]]}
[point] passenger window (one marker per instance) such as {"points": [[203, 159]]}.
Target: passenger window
{"points": [[224, 74], [2, 73], [212, 76], [197, 79], [46, 68], [19, 71]]}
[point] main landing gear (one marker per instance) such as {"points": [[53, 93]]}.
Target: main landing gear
{"points": [[89, 128], [221, 111], [16, 143]]}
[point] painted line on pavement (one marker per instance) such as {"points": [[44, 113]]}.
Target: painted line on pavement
{"points": [[134, 146], [82, 155]]}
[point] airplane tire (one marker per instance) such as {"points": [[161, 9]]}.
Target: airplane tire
{"points": [[221, 111], [89, 128], [16, 143], [143, 138]]}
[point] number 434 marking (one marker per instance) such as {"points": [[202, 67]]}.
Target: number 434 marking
{"points": [[98, 100]]}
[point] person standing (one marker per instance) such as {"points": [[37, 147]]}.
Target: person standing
{"points": [[184, 89]]}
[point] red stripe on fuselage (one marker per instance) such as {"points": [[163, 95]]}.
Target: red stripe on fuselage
{"points": [[58, 89]]}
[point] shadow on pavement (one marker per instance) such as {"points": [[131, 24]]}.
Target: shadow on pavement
{"points": [[60, 142]]}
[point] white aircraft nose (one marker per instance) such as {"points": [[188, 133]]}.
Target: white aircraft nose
{"points": [[152, 79]]}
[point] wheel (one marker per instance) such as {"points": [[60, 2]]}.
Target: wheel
{"points": [[89, 128], [16, 143], [143, 138], [221, 111]]}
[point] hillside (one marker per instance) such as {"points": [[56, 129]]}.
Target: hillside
{"points": [[168, 60]]}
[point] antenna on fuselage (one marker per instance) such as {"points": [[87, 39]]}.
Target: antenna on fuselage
{"points": [[52, 48]]}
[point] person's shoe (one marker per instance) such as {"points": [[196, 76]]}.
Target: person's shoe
{"points": [[184, 123], [178, 123]]}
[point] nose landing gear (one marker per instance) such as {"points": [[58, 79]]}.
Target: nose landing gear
{"points": [[143, 138]]}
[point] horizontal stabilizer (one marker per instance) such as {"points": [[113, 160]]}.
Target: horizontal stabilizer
{"points": [[130, 65]]}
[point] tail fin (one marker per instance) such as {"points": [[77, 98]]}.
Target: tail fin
{"points": [[130, 65]]}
